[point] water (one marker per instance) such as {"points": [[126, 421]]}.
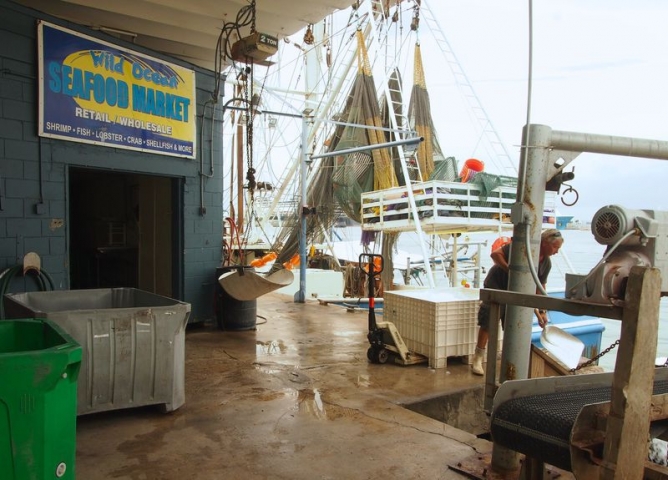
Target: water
{"points": [[580, 254]]}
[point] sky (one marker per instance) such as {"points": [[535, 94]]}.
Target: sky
{"points": [[598, 66]]}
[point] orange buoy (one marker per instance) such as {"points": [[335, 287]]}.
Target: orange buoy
{"points": [[262, 261], [293, 262]]}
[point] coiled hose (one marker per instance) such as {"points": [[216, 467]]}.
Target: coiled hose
{"points": [[42, 278]]}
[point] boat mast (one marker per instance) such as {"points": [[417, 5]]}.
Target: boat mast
{"points": [[240, 168]]}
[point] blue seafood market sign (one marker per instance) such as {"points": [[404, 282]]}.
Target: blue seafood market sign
{"points": [[95, 92]]}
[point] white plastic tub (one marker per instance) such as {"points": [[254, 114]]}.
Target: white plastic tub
{"points": [[133, 343], [437, 323]]}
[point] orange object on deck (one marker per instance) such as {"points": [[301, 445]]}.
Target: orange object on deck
{"points": [[293, 262], [471, 167], [262, 261]]}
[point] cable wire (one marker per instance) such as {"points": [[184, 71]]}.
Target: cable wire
{"points": [[523, 165], [532, 267]]}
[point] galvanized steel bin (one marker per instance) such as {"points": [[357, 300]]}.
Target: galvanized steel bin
{"points": [[133, 343]]}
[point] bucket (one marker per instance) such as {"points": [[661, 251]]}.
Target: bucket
{"points": [[233, 314], [471, 168]]}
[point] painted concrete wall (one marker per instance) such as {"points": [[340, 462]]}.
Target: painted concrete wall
{"points": [[33, 170]]}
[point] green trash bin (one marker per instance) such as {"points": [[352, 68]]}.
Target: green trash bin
{"points": [[39, 367]]}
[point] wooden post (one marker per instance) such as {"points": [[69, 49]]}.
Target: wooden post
{"points": [[625, 447]]}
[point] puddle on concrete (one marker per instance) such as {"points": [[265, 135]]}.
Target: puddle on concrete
{"points": [[310, 401], [462, 410], [348, 333], [363, 381], [287, 373], [272, 347], [269, 395], [268, 369]]}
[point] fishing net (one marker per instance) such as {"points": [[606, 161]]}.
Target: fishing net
{"points": [[487, 182], [359, 172], [345, 177], [445, 170], [419, 115], [320, 218], [355, 173]]}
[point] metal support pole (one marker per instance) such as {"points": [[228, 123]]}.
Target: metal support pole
{"points": [[492, 349], [594, 143], [517, 334], [454, 277], [300, 295], [366, 148], [478, 267]]}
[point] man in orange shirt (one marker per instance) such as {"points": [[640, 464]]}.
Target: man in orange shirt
{"points": [[497, 278]]}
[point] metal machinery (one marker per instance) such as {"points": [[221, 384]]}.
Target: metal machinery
{"points": [[597, 425], [634, 238]]}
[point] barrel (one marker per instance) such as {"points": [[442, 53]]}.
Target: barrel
{"points": [[471, 168], [233, 314]]}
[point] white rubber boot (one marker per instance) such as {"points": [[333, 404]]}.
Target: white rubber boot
{"points": [[478, 358]]}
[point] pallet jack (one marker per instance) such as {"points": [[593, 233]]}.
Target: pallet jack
{"points": [[384, 338]]}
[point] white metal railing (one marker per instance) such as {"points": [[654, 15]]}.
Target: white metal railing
{"points": [[445, 207]]}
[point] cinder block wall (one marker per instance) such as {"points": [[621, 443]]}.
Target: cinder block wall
{"points": [[33, 170]]}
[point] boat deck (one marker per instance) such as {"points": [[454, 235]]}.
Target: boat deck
{"points": [[294, 399]]}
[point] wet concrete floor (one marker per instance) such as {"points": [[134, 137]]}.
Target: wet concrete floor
{"points": [[294, 399]]}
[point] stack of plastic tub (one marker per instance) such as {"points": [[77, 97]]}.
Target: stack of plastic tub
{"points": [[437, 323], [39, 367]]}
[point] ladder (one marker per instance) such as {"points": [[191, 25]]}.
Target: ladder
{"points": [[385, 56]]}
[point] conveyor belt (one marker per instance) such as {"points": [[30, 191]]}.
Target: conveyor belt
{"points": [[540, 425]]}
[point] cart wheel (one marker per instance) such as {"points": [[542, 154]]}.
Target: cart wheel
{"points": [[382, 355], [370, 354]]}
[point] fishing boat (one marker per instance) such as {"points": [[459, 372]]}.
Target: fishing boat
{"points": [[414, 189], [563, 221], [365, 29]]}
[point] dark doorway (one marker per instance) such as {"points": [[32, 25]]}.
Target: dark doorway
{"points": [[123, 231]]}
